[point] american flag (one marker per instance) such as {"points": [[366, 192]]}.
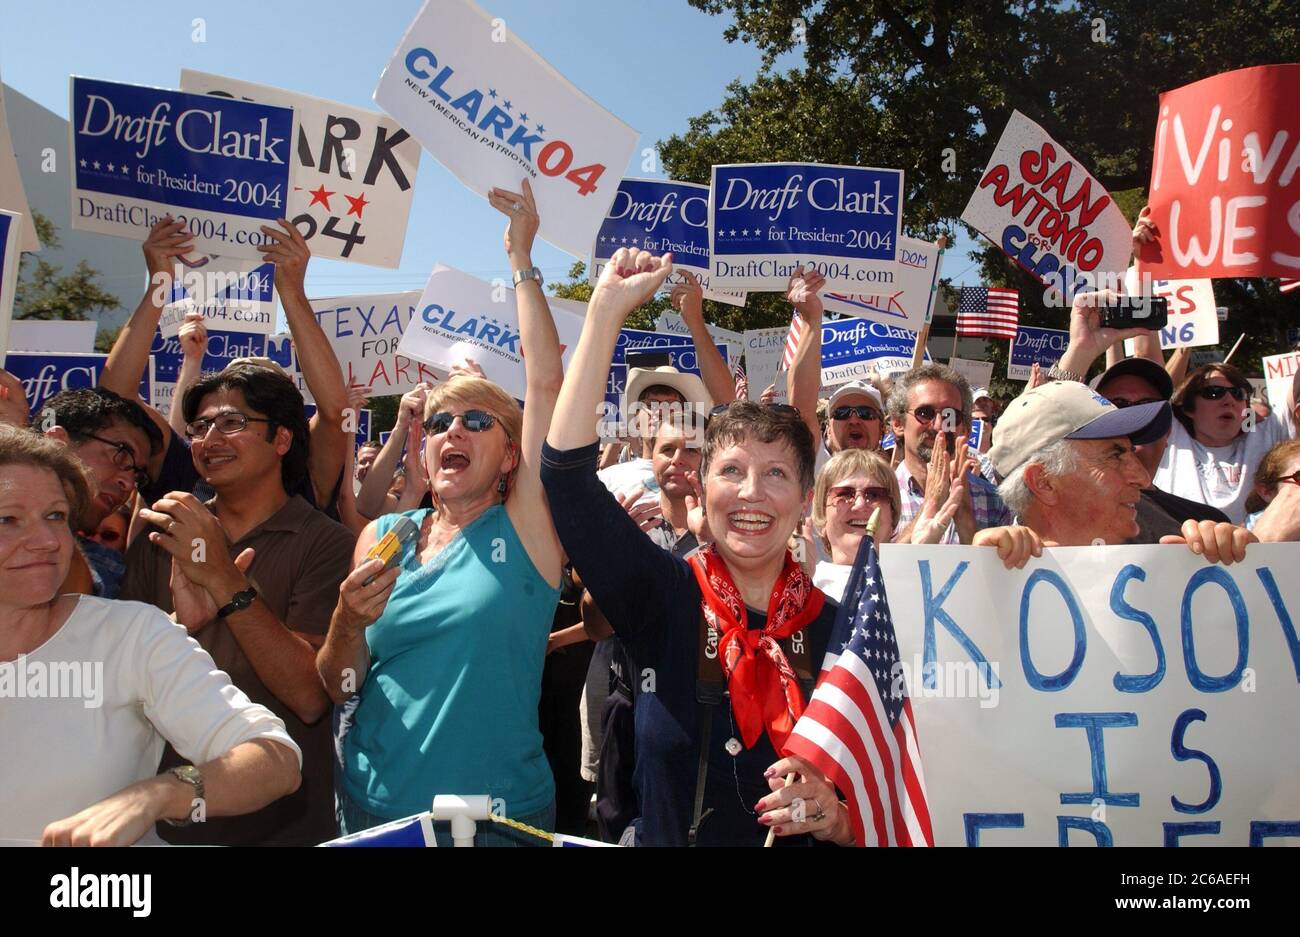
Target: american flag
{"points": [[858, 728], [991, 312], [742, 382], [1286, 285], [792, 338]]}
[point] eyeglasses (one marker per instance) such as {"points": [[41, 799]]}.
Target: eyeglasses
{"points": [[476, 421], [123, 458], [1216, 392], [926, 414], [1293, 478], [227, 424], [861, 412], [846, 495], [1123, 404]]}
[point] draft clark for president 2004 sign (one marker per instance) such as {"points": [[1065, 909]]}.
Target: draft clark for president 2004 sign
{"points": [[768, 219], [493, 111], [221, 166]]}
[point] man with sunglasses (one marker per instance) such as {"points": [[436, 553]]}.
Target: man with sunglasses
{"points": [[925, 402], [254, 575], [114, 438]]}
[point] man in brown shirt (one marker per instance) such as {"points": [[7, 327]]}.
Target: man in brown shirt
{"points": [[254, 576]]}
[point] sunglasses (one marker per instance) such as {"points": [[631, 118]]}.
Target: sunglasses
{"points": [[1216, 392], [926, 414], [1293, 478], [861, 412], [476, 421], [846, 495]]}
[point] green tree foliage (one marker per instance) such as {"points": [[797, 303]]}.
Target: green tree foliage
{"points": [[928, 86], [45, 292]]}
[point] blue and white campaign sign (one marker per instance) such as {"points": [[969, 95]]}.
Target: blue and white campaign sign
{"points": [[679, 348], [223, 347], [10, 228], [413, 831], [853, 349], [905, 288], [233, 294], [219, 165], [1043, 347], [352, 172], [45, 374], [673, 323], [365, 332], [661, 216], [1125, 696], [764, 349], [459, 316], [768, 219], [493, 111], [978, 428]]}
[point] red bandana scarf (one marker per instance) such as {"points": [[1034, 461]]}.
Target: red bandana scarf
{"points": [[765, 692]]}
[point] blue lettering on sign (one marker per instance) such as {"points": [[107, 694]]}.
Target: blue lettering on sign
{"points": [[1199, 680], [933, 609], [975, 822], [658, 216], [806, 208], [1043, 347], [188, 150], [44, 374], [1261, 830], [1127, 683], [1100, 831], [1017, 245], [1093, 724], [1183, 753], [851, 340], [1283, 616], [1176, 831], [1066, 676], [486, 330], [222, 348]]}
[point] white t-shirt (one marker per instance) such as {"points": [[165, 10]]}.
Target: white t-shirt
{"points": [[623, 477], [833, 579], [132, 679], [1220, 476]]}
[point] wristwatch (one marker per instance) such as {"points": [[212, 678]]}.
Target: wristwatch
{"points": [[1057, 374], [194, 778], [238, 602], [532, 273]]}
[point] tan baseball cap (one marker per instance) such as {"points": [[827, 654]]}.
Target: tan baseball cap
{"points": [[1069, 410], [856, 389]]}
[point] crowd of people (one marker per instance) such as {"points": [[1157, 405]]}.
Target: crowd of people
{"points": [[635, 621]]}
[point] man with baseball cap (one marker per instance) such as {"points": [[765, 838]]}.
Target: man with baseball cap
{"points": [[1071, 473], [856, 418]]}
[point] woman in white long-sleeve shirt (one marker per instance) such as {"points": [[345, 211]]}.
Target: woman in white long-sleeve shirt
{"points": [[91, 689]]}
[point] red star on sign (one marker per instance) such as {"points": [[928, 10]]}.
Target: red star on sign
{"points": [[357, 204], [320, 197]]}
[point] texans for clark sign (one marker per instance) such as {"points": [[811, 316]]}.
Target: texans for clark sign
{"points": [[493, 111], [365, 332], [661, 217], [1103, 696], [1047, 213], [353, 172], [1222, 179], [768, 219], [220, 166]]}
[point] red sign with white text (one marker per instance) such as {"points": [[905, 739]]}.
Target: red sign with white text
{"points": [[1225, 195]]}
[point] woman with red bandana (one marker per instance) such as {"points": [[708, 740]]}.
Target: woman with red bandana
{"points": [[727, 642]]}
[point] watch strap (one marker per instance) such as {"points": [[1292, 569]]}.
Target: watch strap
{"points": [[238, 602], [194, 778], [532, 273]]}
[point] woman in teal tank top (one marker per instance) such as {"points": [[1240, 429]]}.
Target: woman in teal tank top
{"points": [[446, 649]]}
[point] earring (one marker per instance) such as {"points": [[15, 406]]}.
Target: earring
{"points": [[501, 486]]}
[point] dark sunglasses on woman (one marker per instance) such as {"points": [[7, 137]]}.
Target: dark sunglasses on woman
{"points": [[1216, 392], [475, 421]]}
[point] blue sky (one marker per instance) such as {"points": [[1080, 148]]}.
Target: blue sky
{"points": [[654, 65]]}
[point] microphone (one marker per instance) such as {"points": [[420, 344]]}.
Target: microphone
{"points": [[390, 546]]}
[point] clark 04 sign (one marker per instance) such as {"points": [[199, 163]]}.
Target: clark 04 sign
{"points": [[1227, 151], [220, 166], [233, 295], [853, 349], [493, 111], [661, 217], [768, 219], [1102, 696], [353, 172], [1047, 213]]}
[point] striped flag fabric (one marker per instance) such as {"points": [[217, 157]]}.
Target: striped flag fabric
{"points": [[797, 327], [742, 382], [1287, 285], [858, 728], [988, 312]]}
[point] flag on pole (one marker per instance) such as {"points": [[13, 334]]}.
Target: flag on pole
{"points": [[1287, 285], [991, 312], [742, 382], [792, 338], [858, 728]]}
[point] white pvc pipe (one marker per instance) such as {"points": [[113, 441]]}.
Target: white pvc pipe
{"points": [[462, 811]]}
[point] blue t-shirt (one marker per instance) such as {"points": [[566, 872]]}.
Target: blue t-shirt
{"points": [[449, 705]]}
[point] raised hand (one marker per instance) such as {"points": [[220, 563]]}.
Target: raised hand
{"points": [[802, 292], [628, 280], [521, 209], [696, 520], [687, 297], [288, 250], [646, 512], [467, 367], [167, 240], [193, 336], [194, 607], [13, 400]]}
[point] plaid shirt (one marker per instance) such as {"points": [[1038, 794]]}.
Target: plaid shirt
{"points": [[988, 507]]}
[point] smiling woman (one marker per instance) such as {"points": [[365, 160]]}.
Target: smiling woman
{"points": [[91, 689]]}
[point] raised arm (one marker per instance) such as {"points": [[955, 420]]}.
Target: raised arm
{"points": [[806, 369], [288, 250], [1088, 339], [374, 489], [543, 375], [344, 659], [193, 339], [688, 299]]}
